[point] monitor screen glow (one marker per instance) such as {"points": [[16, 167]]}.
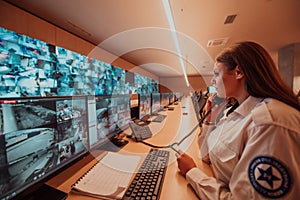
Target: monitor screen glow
{"points": [[144, 106], [38, 137], [108, 116], [155, 102], [164, 100]]}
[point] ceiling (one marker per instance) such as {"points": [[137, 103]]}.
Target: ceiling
{"points": [[139, 31]]}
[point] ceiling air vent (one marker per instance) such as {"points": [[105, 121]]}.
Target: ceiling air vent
{"points": [[229, 19], [217, 42]]}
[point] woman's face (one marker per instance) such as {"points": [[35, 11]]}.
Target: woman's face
{"points": [[224, 81]]}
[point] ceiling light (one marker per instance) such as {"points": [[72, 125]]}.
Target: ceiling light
{"points": [[175, 38]]}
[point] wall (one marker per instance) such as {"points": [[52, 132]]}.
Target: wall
{"points": [[17, 20], [177, 84], [289, 65], [296, 81], [173, 84]]}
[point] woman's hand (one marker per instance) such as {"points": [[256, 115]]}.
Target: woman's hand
{"points": [[215, 108], [208, 106], [185, 163]]}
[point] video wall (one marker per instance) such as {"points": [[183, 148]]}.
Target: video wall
{"points": [[55, 105], [30, 67]]}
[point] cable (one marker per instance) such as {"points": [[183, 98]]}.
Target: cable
{"points": [[184, 138]]}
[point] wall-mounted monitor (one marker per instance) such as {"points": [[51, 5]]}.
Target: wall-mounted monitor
{"points": [[129, 78], [30, 67], [27, 66], [39, 136], [108, 117]]}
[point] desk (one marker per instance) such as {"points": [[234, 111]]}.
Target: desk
{"points": [[177, 124]]}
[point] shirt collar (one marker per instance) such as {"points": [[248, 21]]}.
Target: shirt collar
{"points": [[247, 106]]}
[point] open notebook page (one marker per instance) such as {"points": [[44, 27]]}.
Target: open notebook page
{"points": [[109, 177]]}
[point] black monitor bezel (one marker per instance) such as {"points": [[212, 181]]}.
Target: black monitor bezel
{"points": [[22, 192], [113, 134]]}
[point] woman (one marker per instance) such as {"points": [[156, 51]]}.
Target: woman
{"points": [[254, 150]]}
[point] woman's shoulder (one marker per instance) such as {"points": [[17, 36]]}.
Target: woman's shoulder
{"points": [[272, 111]]}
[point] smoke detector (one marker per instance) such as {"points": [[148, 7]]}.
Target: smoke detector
{"points": [[217, 42]]}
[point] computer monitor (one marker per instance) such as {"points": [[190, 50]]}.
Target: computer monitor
{"points": [[177, 96], [155, 102], [108, 117], [134, 100], [211, 89], [144, 106], [134, 106], [39, 137], [164, 99], [171, 98]]}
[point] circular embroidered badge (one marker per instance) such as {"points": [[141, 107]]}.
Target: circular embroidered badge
{"points": [[269, 177]]}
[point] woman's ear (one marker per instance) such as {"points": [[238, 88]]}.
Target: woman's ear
{"points": [[238, 72]]}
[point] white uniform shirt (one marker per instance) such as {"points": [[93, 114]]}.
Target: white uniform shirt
{"points": [[254, 152]]}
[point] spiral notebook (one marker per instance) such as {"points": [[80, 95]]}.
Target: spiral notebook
{"points": [[108, 178]]}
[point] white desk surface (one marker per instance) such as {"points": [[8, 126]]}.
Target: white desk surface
{"points": [[176, 125]]}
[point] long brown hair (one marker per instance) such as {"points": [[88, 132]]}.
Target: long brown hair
{"points": [[262, 78]]}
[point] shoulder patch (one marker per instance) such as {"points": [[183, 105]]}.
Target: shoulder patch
{"points": [[269, 177]]}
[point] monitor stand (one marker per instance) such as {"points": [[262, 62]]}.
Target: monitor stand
{"points": [[47, 192], [114, 145], [119, 142], [144, 121]]}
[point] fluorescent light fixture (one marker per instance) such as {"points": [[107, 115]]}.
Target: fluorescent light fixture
{"points": [[175, 38]]}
